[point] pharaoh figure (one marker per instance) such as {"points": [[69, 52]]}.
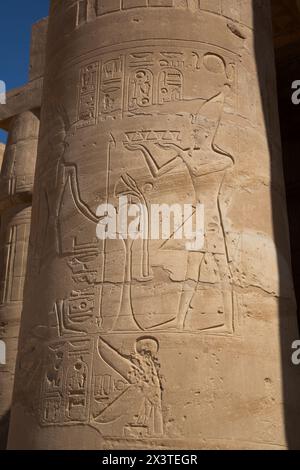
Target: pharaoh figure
{"points": [[206, 296]]}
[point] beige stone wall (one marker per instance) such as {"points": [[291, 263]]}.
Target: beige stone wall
{"points": [[149, 345], [16, 185], [20, 117]]}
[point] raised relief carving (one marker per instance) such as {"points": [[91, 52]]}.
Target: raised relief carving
{"points": [[149, 291], [89, 383], [140, 89], [158, 286], [100, 356], [82, 12], [14, 257], [170, 86], [144, 82], [105, 7]]}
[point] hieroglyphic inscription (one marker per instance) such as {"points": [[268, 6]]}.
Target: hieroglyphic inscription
{"points": [[64, 394], [153, 79], [111, 87], [152, 82], [145, 81], [88, 93]]}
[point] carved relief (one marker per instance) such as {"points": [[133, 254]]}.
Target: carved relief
{"points": [[14, 256], [88, 95], [17, 172], [64, 395], [197, 295], [111, 88], [75, 391], [140, 89], [145, 80], [128, 399], [100, 352]]}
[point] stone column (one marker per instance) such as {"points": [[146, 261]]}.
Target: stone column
{"points": [[16, 185], [2, 150], [155, 343]]}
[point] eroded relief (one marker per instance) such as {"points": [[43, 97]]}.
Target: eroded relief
{"points": [[87, 108], [131, 382], [14, 256], [64, 394], [147, 129], [104, 7], [93, 379], [193, 293]]}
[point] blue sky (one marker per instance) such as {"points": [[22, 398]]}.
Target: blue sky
{"points": [[16, 19]]}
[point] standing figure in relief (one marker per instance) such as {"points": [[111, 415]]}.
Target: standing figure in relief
{"points": [[142, 398], [206, 294]]}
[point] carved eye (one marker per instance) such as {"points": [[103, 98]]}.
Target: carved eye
{"points": [[214, 63]]}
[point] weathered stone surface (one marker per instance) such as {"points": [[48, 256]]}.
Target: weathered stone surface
{"points": [[16, 185], [149, 345], [21, 100], [20, 117], [15, 229], [37, 50]]}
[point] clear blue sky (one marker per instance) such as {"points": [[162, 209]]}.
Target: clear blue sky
{"points": [[16, 19]]}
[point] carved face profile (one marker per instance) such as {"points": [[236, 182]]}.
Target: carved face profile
{"points": [[199, 136], [147, 346], [206, 122]]}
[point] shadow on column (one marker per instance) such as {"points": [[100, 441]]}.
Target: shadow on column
{"points": [[287, 308], [4, 426]]}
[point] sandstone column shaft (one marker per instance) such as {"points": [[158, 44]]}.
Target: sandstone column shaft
{"points": [[16, 193], [146, 343]]}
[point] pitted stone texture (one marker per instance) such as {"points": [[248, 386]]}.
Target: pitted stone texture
{"points": [[15, 229], [80, 12], [134, 344], [16, 186]]}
